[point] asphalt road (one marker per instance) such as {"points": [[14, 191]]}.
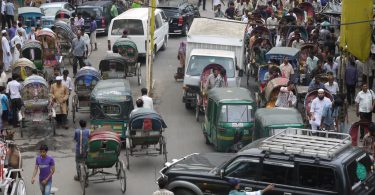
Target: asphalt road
{"points": [[183, 135]]}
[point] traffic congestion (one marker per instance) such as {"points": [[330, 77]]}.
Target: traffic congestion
{"points": [[237, 97]]}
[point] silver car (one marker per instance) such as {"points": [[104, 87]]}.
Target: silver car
{"points": [[50, 9]]}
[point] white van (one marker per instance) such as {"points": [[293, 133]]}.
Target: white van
{"points": [[135, 21]]}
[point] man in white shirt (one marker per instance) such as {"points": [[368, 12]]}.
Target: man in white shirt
{"points": [[147, 101], [24, 34], [86, 39], [332, 85], [18, 38], [272, 23], [364, 102], [286, 69], [298, 42], [316, 109], [14, 89], [7, 57], [67, 81]]}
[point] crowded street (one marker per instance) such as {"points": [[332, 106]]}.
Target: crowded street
{"points": [[247, 96]]}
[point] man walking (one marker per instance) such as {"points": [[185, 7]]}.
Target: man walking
{"points": [[14, 89], [330, 116], [7, 57], [9, 10], [114, 11], [147, 101], [46, 165], [351, 78], [316, 110], [364, 106], [93, 28], [81, 137], [78, 46], [60, 95]]}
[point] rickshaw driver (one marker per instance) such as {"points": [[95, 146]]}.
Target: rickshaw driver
{"points": [[210, 83], [316, 109], [139, 104]]}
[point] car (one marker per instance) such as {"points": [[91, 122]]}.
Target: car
{"points": [[180, 15], [49, 10], [101, 11], [135, 22], [294, 161]]}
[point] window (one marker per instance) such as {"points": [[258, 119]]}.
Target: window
{"points": [[111, 109], [243, 168], [164, 17], [158, 21], [236, 113], [362, 163], [321, 178], [198, 63], [277, 172], [89, 12], [135, 27]]}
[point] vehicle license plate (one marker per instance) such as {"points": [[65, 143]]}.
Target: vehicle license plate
{"points": [[237, 124]]}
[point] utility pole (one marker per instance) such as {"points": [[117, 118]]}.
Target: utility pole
{"points": [[150, 45]]}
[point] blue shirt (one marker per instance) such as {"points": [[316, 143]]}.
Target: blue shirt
{"points": [[81, 149], [12, 32], [313, 86], [4, 101], [329, 114], [351, 75], [9, 8], [93, 26]]}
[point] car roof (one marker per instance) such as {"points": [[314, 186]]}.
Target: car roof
{"points": [[55, 4], [94, 3], [135, 13], [232, 93], [23, 10], [282, 51], [271, 116]]}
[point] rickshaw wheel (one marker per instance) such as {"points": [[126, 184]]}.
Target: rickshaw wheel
{"points": [[74, 108], [22, 125], [21, 187], [139, 75], [122, 177], [197, 112], [163, 148], [53, 125], [127, 153], [83, 177]]}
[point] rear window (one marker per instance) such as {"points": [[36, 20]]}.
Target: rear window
{"points": [[134, 27], [359, 169], [316, 177], [90, 12], [171, 11]]}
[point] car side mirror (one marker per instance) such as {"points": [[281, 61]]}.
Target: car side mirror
{"points": [[240, 73], [221, 172]]}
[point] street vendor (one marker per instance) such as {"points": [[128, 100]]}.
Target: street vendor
{"points": [[60, 95]]}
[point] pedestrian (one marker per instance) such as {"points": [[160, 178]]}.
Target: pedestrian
{"points": [[162, 183], [14, 91], [286, 97], [81, 137], [331, 66], [78, 46], [218, 12], [9, 11], [330, 116], [272, 23], [311, 64], [3, 15], [203, 3], [332, 86], [286, 69], [12, 31], [46, 166], [318, 70], [60, 95], [93, 27], [16, 53], [364, 106], [368, 70], [79, 22], [86, 39], [147, 101], [17, 39], [4, 106], [343, 115], [298, 42], [351, 79], [316, 109], [230, 11], [67, 81], [7, 57], [114, 11], [235, 183], [369, 141], [23, 31]]}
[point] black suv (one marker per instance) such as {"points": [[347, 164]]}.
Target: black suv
{"points": [[295, 163]]}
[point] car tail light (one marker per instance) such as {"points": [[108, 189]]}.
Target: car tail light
{"points": [[103, 22], [180, 21], [109, 45], [221, 129]]}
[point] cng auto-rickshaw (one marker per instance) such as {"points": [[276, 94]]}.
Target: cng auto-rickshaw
{"points": [[110, 105], [270, 121], [228, 117]]}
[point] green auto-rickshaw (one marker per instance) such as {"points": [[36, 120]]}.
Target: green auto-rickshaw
{"points": [[228, 117], [270, 121], [110, 105]]}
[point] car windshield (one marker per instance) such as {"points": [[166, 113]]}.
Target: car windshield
{"points": [[236, 113], [50, 11], [198, 63], [88, 12], [134, 27]]}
